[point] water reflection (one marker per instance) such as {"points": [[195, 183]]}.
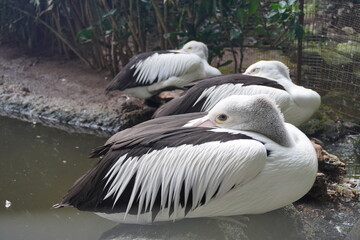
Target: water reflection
{"points": [[279, 225]]}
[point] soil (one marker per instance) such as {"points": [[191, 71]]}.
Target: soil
{"points": [[63, 93], [67, 94], [52, 77]]}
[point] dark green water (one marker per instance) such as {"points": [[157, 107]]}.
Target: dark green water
{"points": [[39, 164], [348, 150]]}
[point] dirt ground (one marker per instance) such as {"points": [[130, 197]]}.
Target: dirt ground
{"points": [[53, 90], [52, 77]]}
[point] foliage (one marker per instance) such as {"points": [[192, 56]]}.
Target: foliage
{"points": [[107, 33], [284, 15]]}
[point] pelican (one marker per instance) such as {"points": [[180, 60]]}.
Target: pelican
{"points": [[272, 78], [149, 73], [240, 158]]}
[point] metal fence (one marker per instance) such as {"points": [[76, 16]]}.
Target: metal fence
{"points": [[331, 52], [330, 62]]}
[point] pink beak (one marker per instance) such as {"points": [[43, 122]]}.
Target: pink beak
{"points": [[204, 122]]}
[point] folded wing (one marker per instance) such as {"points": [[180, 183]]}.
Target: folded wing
{"points": [[149, 68], [176, 171]]}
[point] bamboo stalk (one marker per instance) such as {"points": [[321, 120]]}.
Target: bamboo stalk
{"points": [[160, 19], [58, 26], [140, 32], [70, 24], [56, 33], [133, 31]]}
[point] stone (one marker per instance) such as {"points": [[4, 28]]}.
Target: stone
{"points": [[349, 49], [328, 56]]}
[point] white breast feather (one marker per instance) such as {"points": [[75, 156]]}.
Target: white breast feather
{"points": [[204, 168], [163, 66]]}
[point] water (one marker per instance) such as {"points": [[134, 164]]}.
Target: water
{"points": [[37, 167], [39, 164], [348, 150]]}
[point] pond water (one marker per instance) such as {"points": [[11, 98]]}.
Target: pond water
{"points": [[348, 150], [39, 164]]}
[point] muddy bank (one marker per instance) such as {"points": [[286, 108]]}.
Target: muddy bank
{"points": [[76, 116], [64, 94]]}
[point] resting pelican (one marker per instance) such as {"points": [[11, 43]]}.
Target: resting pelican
{"points": [[240, 158], [272, 78], [149, 73]]}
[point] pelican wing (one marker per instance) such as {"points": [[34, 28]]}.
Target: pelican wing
{"points": [[204, 93], [152, 67], [176, 171], [148, 126]]}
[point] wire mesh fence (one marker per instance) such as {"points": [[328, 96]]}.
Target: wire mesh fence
{"points": [[331, 52], [330, 62]]}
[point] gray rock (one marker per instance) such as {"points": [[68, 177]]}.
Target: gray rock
{"points": [[354, 234]]}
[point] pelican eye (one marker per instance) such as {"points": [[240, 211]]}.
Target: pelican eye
{"points": [[221, 118], [254, 70]]}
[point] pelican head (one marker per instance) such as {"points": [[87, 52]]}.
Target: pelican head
{"points": [[254, 113], [269, 69], [275, 70], [197, 48]]}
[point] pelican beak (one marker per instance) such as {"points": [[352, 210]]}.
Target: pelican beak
{"points": [[204, 122], [177, 51]]}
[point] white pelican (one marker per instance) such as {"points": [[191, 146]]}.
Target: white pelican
{"points": [[149, 73], [240, 158], [297, 103]]}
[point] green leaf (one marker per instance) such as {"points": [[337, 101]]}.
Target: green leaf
{"points": [[253, 7], [235, 34], [110, 13], [283, 4], [270, 14], [85, 34], [275, 6], [225, 63]]}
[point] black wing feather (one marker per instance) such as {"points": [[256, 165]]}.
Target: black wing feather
{"points": [[185, 103]]}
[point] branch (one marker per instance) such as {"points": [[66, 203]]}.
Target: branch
{"points": [[56, 33]]}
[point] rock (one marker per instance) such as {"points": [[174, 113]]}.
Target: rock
{"points": [[328, 125], [328, 56], [349, 49], [354, 234], [331, 165], [319, 189], [330, 184], [331, 221], [345, 104], [348, 30]]}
